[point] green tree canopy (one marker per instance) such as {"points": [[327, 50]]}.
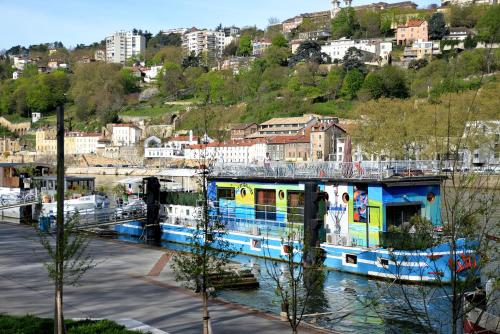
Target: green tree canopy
{"points": [[280, 41], [97, 90], [245, 48], [344, 24], [352, 83], [437, 26], [309, 51], [488, 26]]}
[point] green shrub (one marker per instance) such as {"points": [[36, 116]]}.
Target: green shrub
{"points": [[32, 325]]}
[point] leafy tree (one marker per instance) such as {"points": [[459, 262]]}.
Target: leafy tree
{"points": [[231, 49], [352, 83], [171, 54], [353, 59], [466, 16], [245, 47], [373, 85], [97, 89], [470, 43], [5, 68], [160, 40], [309, 51], [369, 23], [277, 56], [394, 82], [172, 79], [17, 50], [192, 60], [344, 24], [417, 64], [130, 81], [488, 26], [333, 82], [280, 41], [437, 26]]}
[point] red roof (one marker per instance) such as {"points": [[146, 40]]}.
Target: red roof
{"points": [[183, 138], [412, 23]]}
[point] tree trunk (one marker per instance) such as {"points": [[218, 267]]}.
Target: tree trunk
{"points": [[206, 317], [59, 265]]}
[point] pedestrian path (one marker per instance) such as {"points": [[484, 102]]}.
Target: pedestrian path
{"points": [[129, 282]]}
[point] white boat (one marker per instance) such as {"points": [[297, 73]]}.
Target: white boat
{"points": [[84, 204]]}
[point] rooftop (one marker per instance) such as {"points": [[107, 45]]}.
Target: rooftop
{"points": [[289, 120], [412, 23]]}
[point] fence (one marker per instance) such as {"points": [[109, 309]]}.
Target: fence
{"points": [[330, 169]]}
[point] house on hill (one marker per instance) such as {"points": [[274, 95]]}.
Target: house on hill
{"points": [[413, 30]]}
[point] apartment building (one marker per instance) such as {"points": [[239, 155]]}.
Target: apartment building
{"points": [[338, 48], [9, 145], [413, 30], [123, 45], [125, 134], [199, 41], [421, 49]]}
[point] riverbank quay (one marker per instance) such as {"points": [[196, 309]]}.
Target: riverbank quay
{"points": [[130, 281]]}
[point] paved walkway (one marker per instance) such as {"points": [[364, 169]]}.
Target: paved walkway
{"points": [[130, 281]]}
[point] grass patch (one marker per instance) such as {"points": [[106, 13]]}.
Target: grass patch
{"points": [[32, 325], [340, 109], [16, 118]]}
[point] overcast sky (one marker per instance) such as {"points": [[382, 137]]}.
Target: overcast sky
{"points": [[28, 22]]}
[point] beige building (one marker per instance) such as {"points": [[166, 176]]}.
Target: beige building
{"points": [[284, 126], [413, 30], [324, 141], [74, 142], [240, 131], [125, 134], [10, 145]]}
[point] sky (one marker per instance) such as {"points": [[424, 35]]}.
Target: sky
{"points": [[28, 22]]}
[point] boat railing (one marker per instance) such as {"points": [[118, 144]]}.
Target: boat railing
{"points": [[258, 219], [329, 169]]}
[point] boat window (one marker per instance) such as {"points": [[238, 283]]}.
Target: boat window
{"points": [[295, 206], [399, 214], [265, 204], [351, 259], [225, 193]]}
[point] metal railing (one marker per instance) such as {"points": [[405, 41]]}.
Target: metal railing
{"points": [[330, 169], [258, 219], [90, 218], [15, 199]]}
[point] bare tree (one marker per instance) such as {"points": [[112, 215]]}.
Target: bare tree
{"points": [[209, 253], [294, 283]]}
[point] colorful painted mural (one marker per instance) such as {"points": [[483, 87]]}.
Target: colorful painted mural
{"points": [[356, 213]]}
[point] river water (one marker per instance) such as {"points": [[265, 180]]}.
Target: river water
{"points": [[356, 304]]}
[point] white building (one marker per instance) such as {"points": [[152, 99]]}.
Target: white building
{"points": [[260, 46], [337, 49], [123, 45], [125, 135], [20, 62], [235, 151], [179, 31], [199, 41], [16, 75], [173, 148], [151, 73], [36, 116]]}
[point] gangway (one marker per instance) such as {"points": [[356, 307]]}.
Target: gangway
{"points": [[94, 218], [18, 200]]}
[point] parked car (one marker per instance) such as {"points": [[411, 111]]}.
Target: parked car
{"points": [[133, 209]]}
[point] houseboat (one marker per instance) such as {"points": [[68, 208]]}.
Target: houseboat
{"points": [[364, 203]]}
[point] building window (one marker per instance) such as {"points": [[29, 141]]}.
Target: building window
{"points": [[265, 204]]}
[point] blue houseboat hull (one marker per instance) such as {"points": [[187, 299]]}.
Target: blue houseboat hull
{"points": [[430, 265]]}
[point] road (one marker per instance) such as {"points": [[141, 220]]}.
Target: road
{"points": [[130, 281]]}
